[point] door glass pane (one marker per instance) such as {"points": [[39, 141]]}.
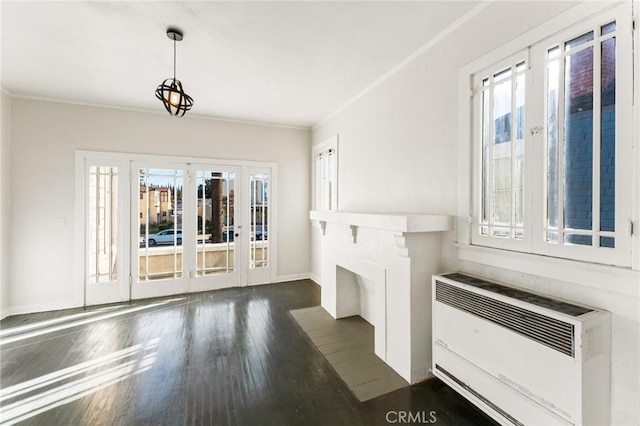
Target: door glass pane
{"points": [[103, 224], [259, 209], [160, 224], [215, 246]]}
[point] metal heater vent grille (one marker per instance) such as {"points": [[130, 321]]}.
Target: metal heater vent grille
{"points": [[548, 331]]}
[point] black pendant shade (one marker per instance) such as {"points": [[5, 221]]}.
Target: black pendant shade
{"points": [[172, 95], [170, 91]]}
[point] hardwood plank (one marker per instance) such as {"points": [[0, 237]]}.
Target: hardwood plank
{"points": [[227, 357]]}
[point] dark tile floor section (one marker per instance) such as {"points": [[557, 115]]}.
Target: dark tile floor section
{"points": [[228, 357], [348, 345]]}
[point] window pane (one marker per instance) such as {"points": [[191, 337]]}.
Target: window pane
{"points": [[607, 242], [553, 77], [504, 74], [325, 186], [585, 38], [608, 136], [578, 142], [330, 186], [500, 232], [519, 154], [583, 240], [486, 129], [609, 28], [502, 112], [502, 139], [501, 179]]}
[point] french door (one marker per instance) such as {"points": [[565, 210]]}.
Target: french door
{"points": [[157, 227], [215, 246], [103, 190], [259, 209]]}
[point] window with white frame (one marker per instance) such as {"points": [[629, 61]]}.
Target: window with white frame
{"points": [[325, 175], [501, 92], [552, 144]]}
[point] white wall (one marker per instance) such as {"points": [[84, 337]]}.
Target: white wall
{"points": [[401, 137], [5, 197], [45, 136], [398, 153]]}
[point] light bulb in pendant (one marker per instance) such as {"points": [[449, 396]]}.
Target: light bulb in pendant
{"points": [[174, 99]]}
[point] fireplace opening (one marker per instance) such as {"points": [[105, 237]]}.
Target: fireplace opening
{"points": [[356, 295]]}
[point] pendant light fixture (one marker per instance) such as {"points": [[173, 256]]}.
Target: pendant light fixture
{"points": [[170, 91]]}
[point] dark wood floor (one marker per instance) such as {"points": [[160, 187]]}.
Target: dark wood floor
{"points": [[229, 357]]}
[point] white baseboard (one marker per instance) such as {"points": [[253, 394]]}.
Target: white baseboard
{"points": [[292, 277], [43, 307], [315, 279]]}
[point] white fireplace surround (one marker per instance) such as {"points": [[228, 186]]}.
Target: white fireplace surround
{"points": [[379, 266]]}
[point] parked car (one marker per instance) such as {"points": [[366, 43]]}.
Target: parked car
{"points": [[165, 237], [227, 236]]}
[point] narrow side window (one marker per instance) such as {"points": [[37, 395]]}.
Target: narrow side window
{"points": [[325, 175]]}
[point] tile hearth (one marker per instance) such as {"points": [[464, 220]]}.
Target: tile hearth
{"points": [[348, 345]]}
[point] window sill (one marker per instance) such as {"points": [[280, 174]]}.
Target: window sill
{"points": [[614, 279]]}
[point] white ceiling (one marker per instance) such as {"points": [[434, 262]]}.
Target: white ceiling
{"points": [[290, 63]]}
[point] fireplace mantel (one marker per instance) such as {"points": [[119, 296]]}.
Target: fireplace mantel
{"points": [[394, 222], [379, 266]]}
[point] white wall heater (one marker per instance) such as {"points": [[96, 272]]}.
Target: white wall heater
{"points": [[522, 358]]}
